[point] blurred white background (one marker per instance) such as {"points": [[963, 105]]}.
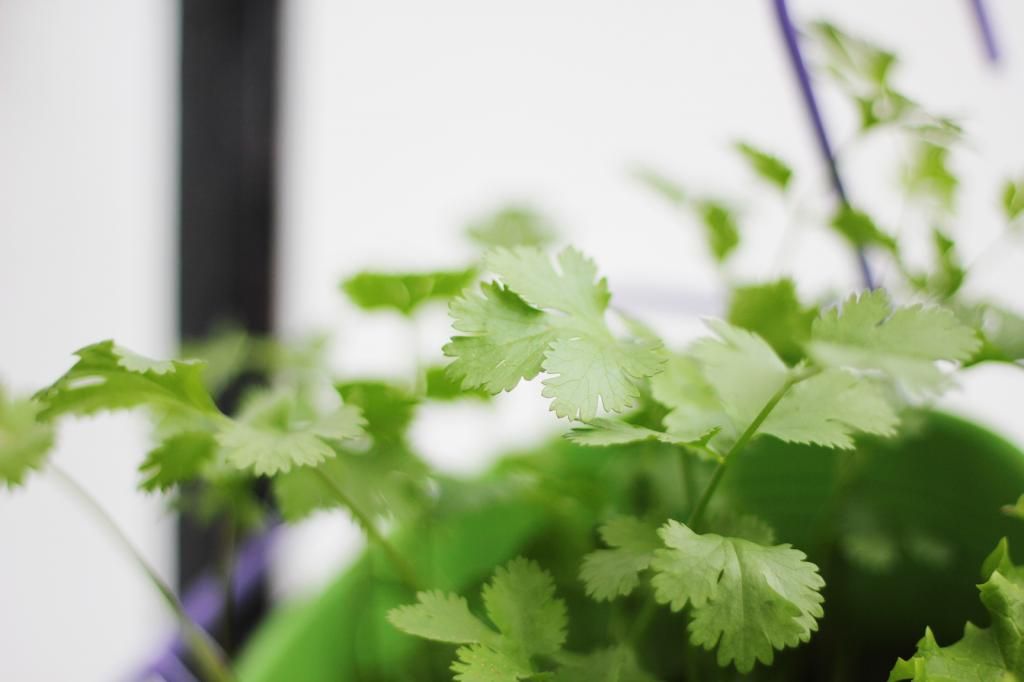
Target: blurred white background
{"points": [[401, 121]]}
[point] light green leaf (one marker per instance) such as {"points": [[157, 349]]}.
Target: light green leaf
{"points": [[178, 459], [521, 601], [929, 174], [768, 166], [603, 432], [995, 653], [746, 599], [24, 441], [588, 369], [695, 409], [553, 320], [615, 572], [405, 292], [512, 226], [1016, 509], [442, 618], [828, 408], [506, 342], [866, 333], [1013, 199], [742, 369], [661, 185], [108, 377], [274, 432]]}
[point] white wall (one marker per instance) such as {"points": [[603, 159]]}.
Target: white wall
{"points": [[86, 252], [406, 118]]}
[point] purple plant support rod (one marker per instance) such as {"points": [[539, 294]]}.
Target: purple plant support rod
{"points": [[204, 603], [988, 36], [820, 134]]}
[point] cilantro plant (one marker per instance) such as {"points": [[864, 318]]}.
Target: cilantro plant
{"points": [[774, 500]]}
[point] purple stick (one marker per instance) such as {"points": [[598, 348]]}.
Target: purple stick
{"points": [[820, 134], [988, 36]]}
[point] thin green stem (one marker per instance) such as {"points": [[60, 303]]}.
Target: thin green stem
{"points": [[643, 620], [208, 654], [404, 568], [697, 515]]}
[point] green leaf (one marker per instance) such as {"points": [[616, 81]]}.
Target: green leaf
{"points": [[442, 618], [512, 226], [553, 320], [723, 234], [929, 174], [387, 409], [520, 601], [1013, 199], [109, 377], [615, 572], [274, 432], [746, 599], [180, 458], [615, 664], [405, 292], [506, 339], [694, 406], [441, 387], [24, 441], [770, 167], [1015, 510], [860, 229], [867, 333], [995, 653], [774, 313], [828, 408]]}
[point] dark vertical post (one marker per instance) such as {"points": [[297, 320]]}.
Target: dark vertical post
{"points": [[229, 56]]}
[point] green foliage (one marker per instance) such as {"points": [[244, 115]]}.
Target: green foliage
{"points": [[860, 229], [405, 293], [24, 441], [539, 318], [510, 227], [993, 653], [723, 234], [768, 166], [866, 333], [774, 313], [109, 377], [615, 572], [929, 174], [520, 601], [746, 599], [1013, 199]]}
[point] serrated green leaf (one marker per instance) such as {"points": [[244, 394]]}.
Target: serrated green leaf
{"points": [[441, 387], [109, 377], [774, 313], [24, 441], [178, 459], [768, 166], [747, 599], [603, 432], [694, 407], [995, 653], [405, 292], [506, 343], [615, 572], [512, 226], [867, 333], [548, 319], [275, 432], [520, 601], [828, 408], [387, 409], [860, 229], [442, 618]]}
